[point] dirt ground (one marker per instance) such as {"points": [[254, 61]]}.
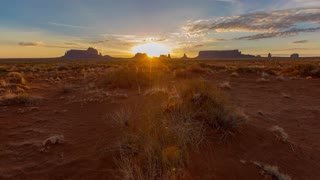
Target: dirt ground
{"points": [[79, 114]]}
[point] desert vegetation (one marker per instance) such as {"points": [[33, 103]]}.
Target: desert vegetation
{"points": [[157, 119]]}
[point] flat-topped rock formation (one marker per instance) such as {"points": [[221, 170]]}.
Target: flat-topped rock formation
{"points": [[89, 53], [225, 54]]}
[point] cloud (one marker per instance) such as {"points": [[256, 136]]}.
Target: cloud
{"points": [[68, 25], [70, 43], [31, 43], [300, 42], [287, 33], [199, 45], [268, 24], [99, 42], [41, 44]]}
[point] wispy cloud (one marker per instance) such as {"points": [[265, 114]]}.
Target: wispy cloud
{"points": [[300, 42], [199, 45], [68, 25], [31, 43], [267, 24], [287, 33], [41, 44]]}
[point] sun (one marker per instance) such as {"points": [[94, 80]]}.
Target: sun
{"points": [[151, 49]]}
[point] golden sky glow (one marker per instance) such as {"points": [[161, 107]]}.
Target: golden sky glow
{"points": [[152, 49]]}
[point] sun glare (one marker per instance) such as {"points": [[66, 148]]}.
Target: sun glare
{"points": [[151, 49]]}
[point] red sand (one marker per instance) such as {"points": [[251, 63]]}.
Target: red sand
{"points": [[88, 149]]}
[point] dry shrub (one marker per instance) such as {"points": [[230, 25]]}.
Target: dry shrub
{"points": [[156, 145], [19, 99], [66, 88], [126, 78], [155, 91], [3, 83], [304, 70], [16, 77], [255, 70], [183, 73], [3, 69], [190, 72], [196, 68], [208, 104], [212, 67], [152, 147]]}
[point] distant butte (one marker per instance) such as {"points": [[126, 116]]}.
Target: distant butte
{"points": [[225, 54], [84, 54]]}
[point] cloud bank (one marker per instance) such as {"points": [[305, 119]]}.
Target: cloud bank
{"points": [[269, 24]]}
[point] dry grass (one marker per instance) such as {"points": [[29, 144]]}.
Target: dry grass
{"points": [[155, 91], [127, 78], [18, 99], [66, 88], [211, 106], [157, 140], [16, 78], [149, 149], [303, 70], [190, 72]]}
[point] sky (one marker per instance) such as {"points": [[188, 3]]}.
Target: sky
{"points": [[47, 28]]}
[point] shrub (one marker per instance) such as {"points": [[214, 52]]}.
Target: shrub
{"points": [[209, 105], [183, 73], [126, 78], [303, 70], [66, 88], [3, 69], [150, 148], [16, 77], [20, 99]]}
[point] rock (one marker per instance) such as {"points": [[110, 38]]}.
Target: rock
{"points": [[226, 54], [57, 139], [234, 74], [89, 53]]}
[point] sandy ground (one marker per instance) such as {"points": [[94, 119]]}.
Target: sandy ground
{"points": [[89, 148]]}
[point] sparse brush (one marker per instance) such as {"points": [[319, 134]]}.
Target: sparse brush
{"points": [[208, 104], [183, 73], [66, 88], [126, 78], [280, 133], [304, 70], [3, 83], [16, 77], [19, 99], [196, 68], [150, 149], [3, 69], [272, 171], [155, 90], [122, 117]]}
